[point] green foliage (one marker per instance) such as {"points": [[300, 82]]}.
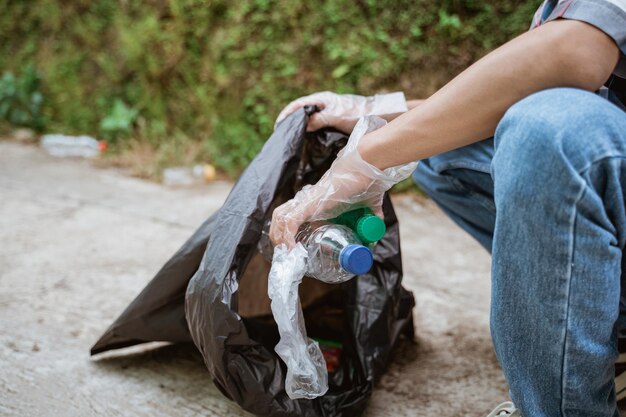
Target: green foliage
{"points": [[219, 71], [21, 100], [119, 121], [234, 143]]}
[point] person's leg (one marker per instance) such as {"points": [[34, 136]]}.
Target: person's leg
{"points": [[559, 173], [460, 182]]}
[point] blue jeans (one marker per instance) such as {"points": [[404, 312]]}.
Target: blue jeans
{"points": [[546, 197]]}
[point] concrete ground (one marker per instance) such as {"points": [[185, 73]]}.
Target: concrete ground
{"points": [[78, 243]]}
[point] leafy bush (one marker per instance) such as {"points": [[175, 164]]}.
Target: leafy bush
{"points": [[119, 121], [219, 71], [21, 100]]}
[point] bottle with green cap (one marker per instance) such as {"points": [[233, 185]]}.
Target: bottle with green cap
{"points": [[368, 227]]}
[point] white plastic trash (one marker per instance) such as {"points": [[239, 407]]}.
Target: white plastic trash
{"points": [[72, 146], [307, 376], [188, 175]]}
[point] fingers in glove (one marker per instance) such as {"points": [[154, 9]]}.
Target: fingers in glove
{"points": [[318, 121], [279, 226], [286, 221], [297, 105], [322, 119], [321, 100]]}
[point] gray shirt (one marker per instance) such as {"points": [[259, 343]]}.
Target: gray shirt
{"points": [[608, 16]]}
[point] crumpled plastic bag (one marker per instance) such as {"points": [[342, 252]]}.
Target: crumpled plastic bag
{"points": [[307, 376]]}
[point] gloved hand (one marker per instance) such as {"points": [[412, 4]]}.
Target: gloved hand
{"points": [[343, 110], [349, 183]]}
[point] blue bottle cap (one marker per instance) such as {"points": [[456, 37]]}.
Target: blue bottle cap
{"points": [[356, 259]]}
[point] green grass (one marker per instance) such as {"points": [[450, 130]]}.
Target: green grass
{"points": [[211, 76]]}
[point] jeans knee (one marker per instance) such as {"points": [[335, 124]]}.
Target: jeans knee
{"points": [[547, 134], [569, 110], [557, 121]]}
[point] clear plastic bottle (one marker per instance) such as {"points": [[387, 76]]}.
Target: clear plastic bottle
{"points": [[72, 146], [188, 175], [335, 253]]}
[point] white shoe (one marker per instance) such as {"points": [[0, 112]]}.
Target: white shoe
{"points": [[505, 409]]}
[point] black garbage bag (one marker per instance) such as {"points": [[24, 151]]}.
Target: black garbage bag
{"points": [[219, 280]]}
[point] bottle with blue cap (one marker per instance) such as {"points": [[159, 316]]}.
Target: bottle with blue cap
{"points": [[335, 253]]}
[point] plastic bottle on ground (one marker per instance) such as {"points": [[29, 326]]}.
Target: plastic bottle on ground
{"points": [[335, 253], [72, 146], [189, 175]]}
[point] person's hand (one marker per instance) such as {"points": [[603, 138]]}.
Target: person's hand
{"points": [[350, 182], [342, 111]]}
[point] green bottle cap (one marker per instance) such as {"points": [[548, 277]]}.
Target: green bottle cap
{"points": [[351, 217], [370, 228]]}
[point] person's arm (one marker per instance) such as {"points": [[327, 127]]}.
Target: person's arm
{"points": [[561, 53]]}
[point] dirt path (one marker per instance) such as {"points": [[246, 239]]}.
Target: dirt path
{"points": [[78, 243]]}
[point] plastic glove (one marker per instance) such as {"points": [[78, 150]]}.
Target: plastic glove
{"points": [[306, 369], [349, 183], [341, 110]]}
